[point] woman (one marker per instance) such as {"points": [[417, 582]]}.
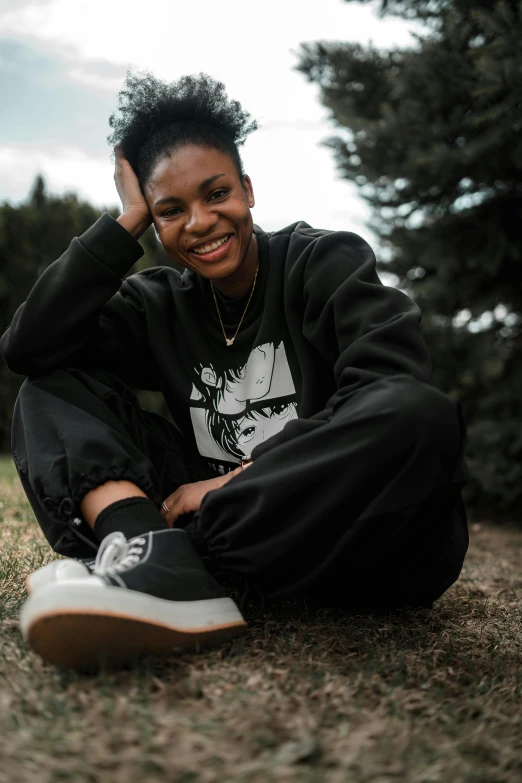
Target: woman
{"points": [[286, 341]]}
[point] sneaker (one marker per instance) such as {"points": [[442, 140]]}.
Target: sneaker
{"points": [[148, 596], [57, 571]]}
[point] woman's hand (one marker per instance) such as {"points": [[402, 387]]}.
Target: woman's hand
{"points": [[188, 497], [136, 217]]}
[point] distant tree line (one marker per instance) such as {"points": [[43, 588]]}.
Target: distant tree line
{"points": [[432, 137]]}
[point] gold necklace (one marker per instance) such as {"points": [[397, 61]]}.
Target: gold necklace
{"points": [[230, 341]]}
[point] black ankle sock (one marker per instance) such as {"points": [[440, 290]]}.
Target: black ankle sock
{"points": [[132, 517]]}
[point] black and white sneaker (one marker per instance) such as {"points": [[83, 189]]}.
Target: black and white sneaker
{"points": [[148, 596]]}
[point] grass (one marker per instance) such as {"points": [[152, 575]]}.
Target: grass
{"points": [[420, 696]]}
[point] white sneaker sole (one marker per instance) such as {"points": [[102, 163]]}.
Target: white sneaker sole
{"points": [[82, 625]]}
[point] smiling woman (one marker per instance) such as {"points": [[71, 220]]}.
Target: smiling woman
{"points": [[279, 352], [181, 141]]}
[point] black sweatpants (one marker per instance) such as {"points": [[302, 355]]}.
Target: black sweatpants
{"points": [[365, 510]]}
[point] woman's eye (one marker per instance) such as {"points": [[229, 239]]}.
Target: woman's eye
{"points": [[218, 194], [171, 212]]}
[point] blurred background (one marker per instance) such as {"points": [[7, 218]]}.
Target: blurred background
{"points": [[400, 120]]}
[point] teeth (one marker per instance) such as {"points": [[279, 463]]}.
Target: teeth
{"points": [[213, 246]]}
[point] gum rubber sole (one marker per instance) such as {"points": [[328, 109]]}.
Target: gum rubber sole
{"points": [[87, 641]]}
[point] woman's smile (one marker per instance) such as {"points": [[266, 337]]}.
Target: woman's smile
{"points": [[213, 251]]}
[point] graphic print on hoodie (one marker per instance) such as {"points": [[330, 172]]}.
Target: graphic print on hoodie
{"points": [[232, 410]]}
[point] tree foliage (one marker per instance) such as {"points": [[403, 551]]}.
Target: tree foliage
{"points": [[32, 236], [432, 137]]}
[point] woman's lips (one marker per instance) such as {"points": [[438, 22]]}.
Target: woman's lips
{"points": [[217, 254]]}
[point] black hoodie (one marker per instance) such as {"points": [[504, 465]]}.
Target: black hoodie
{"points": [[320, 325]]}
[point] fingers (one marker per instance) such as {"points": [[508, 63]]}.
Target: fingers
{"points": [[187, 498], [166, 513], [169, 518], [170, 510]]}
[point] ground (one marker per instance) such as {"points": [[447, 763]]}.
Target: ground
{"points": [[418, 696]]}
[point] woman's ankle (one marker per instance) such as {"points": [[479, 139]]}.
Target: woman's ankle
{"points": [[98, 499]]}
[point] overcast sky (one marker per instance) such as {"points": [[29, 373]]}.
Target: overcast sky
{"points": [[62, 63]]}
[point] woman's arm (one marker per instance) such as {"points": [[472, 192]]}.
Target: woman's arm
{"points": [[364, 329], [75, 312]]}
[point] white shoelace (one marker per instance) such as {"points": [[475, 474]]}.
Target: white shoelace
{"points": [[116, 554]]}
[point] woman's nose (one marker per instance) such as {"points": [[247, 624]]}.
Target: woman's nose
{"points": [[200, 220]]}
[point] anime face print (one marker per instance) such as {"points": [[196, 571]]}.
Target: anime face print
{"points": [[233, 410], [234, 390], [258, 426]]}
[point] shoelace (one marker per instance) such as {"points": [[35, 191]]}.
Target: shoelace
{"points": [[116, 554]]}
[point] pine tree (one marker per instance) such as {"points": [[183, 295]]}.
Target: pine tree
{"points": [[432, 137]]}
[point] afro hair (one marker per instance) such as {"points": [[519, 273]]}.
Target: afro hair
{"points": [[154, 117]]}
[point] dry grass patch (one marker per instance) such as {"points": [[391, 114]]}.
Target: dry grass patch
{"points": [[420, 696]]}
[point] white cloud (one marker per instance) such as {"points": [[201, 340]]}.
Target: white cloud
{"points": [[91, 79], [247, 45], [231, 34], [64, 169]]}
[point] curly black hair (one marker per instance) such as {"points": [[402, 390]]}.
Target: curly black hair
{"points": [[156, 116]]}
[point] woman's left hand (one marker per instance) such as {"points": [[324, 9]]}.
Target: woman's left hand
{"points": [[188, 497]]}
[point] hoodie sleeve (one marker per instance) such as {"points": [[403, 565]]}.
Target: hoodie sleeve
{"points": [[364, 329], [80, 314]]}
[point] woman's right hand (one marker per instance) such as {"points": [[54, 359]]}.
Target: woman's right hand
{"points": [[136, 217]]}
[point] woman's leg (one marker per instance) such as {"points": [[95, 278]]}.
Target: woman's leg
{"points": [[150, 592], [365, 510], [81, 441]]}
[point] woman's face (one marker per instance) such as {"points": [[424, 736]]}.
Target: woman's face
{"points": [[197, 201]]}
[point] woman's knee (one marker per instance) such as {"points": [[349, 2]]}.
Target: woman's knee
{"points": [[37, 382], [418, 408], [424, 406], [407, 417], [434, 425], [36, 389]]}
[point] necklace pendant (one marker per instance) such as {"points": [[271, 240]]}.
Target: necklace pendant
{"points": [[230, 340]]}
